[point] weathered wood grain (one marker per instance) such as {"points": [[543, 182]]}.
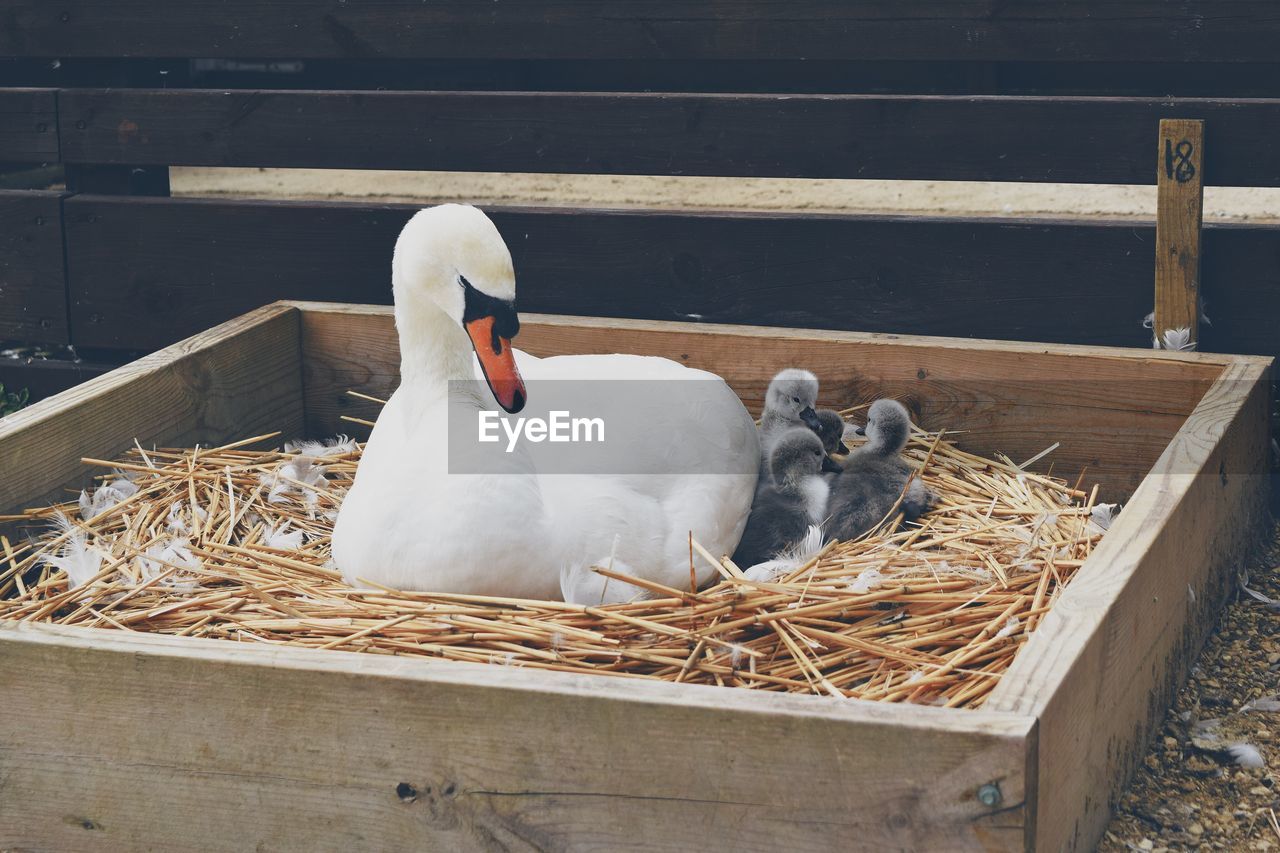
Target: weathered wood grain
{"points": [[1113, 411], [972, 30], [1102, 667], [1179, 214], [237, 380], [348, 348], [145, 271], [812, 136], [124, 741], [33, 287], [28, 125]]}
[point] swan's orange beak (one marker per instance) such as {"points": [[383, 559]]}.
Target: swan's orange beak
{"points": [[498, 363]]}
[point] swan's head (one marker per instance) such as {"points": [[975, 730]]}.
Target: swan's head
{"points": [[452, 258], [793, 394], [888, 426]]}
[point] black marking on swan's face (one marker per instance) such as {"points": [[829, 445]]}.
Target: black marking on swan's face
{"points": [[477, 304]]}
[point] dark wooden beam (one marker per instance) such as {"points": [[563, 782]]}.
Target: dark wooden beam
{"points": [[33, 294], [28, 125], [45, 377], [124, 179], [146, 272], [974, 30], [1069, 139], [1060, 76]]}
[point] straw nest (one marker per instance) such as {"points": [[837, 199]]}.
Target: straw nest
{"points": [[233, 543]]}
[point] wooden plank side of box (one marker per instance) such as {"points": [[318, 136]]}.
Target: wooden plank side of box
{"points": [[237, 380], [119, 741], [1101, 670], [1114, 411]]}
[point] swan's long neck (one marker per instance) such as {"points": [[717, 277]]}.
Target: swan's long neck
{"points": [[433, 349]]}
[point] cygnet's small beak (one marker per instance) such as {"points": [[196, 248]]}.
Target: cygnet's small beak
{"points": [[860, 431], [810, 418], [830, 465], [498, 364], [842, 449]]}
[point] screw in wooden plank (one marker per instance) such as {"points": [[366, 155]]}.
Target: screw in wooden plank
{"points": [[1179, 216], [989, 795]]}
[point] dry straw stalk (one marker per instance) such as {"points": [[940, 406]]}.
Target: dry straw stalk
{"points": [[233, 543]]}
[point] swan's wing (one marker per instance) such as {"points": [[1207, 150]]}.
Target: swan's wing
{"points": [[616, 366], [676, 419]]}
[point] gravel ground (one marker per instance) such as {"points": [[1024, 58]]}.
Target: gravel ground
{"points": [[1190, 794]]}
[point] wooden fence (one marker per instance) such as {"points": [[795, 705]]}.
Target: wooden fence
{"points": [[115, 266]]}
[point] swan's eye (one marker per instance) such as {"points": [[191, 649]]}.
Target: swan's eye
{"points": [[795, 399]]}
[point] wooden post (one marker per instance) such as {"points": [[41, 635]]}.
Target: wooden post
{"points": [[1179, 209]]}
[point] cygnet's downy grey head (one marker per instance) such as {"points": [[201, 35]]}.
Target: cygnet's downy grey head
{"points": [[798, 454], [888, 426], [792, 394], [831, 430]]}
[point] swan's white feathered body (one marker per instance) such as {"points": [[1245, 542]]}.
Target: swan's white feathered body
{"points": [[522, 531]]}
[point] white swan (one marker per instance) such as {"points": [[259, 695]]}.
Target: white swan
{"points": [[516, 531]]}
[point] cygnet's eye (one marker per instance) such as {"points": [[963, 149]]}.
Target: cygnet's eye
{"points": [[795, 399]]}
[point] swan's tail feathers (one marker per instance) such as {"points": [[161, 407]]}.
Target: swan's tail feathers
{"points": [[787, 561]]}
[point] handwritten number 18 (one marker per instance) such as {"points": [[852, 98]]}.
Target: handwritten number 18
{"points": [[1177, 160]]}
